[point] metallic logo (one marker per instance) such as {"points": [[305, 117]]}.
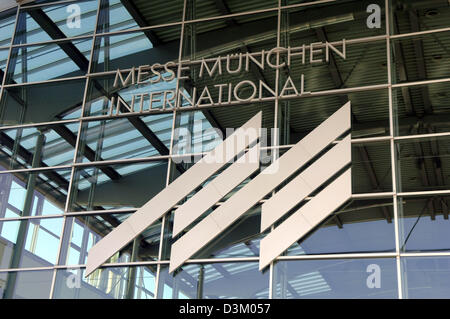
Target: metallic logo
{"points": [[313, 176]]}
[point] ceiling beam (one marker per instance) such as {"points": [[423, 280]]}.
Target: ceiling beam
{"points": [[27, 156], [89, 153], [141, 21], [421, 68], [55, 33], [368, 165], [403, 75], [52, 29], [225, 10]]}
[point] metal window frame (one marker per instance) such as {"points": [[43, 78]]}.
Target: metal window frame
{"points": [[392, 138]]}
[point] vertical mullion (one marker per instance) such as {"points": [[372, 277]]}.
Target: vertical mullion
{"points": [[275, 136], [10, 51], [3, 104], [21, 30], [169, 164], [392, 148], [8, 61], [75, 156]]}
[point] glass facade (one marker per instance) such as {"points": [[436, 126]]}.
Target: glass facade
{"points": [[79, 154]]}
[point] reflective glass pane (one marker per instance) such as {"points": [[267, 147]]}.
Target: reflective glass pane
{"points": [[214, 281], [194, 133], [361, 226], [334, 21], [422, 109], [53, 22], [106, 99], [30, 243], [118, 15], [42, 103], [319, 54], [114, 16], [47, 193], [124, 138], [53, 145], [197, 9], [322, 71], [371, 167], [241, 234], [423, 163], [211, 39], [26, 284], [117, 186], [336, 279], [425, 277], [126, 50], [3, 58], [106, 283], [49, 61], [83, 232], [370, 114], [424, 223], [422, 57], [201, 131], [416, 15], [7, 22], [240, 240]]}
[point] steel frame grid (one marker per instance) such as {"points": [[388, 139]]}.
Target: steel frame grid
{"points": [[392, 138]]}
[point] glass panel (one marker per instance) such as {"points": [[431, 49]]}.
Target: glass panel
{"points": [[422, 109], [201, 131], [105, 99], [48, 196], [3, 59], [197, 9], [426, 277], [214, 281], [49, 61], [422, 57], [126, 50], [371, 167], [424, 223], [194, 133], [26, 284], [56, 21], [417, 15], [53, 144], [333, 21], [113, 16], [83, 232], [117, 186], [336, 279], [361, 226], [29, 243], [124, 138], [106, 283], [210, 39], [423, 164], [116, 15], [42, 102], [339, 73], [303, 2], [7, 22], [240, 240], [313, 64], [203, 89], [370, 114]]}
